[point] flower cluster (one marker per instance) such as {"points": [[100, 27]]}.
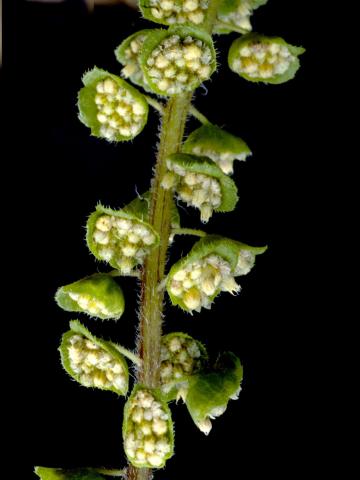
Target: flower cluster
{"points": [[177, 60], [209, 269], [181, 356], [234, 15], [97, 295], [200, 183], [264, 59], [215, 143], [119, 238], [128, 52], [93, 362], [111, 107], [170, 12], [147, 429]]}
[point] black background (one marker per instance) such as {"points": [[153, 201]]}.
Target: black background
{"points": [[60, 173]]}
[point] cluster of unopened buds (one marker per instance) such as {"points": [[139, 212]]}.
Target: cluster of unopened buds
{"points": [[200, 183], [93, 362], [181, 356], [259, 58], [170, 12], [207, 270], [147, 429], [119, 238]]}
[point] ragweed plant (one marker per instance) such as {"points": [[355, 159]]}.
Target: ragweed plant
{"points": [[169, 63]]}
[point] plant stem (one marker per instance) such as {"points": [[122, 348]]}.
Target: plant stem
{"points": [[188, 231], [192, 110], [152, 298]]}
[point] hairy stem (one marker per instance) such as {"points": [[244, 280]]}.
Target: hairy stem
{"points": [[151, 309], [152, 298]]}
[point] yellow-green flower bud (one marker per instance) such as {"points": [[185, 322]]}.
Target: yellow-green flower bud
{"points": [[200, 183], [181, 356], [119, 238], [147, 429], [171, 12], [258, 58], [97, 295], [209, 268], [93, 362], [110, 107], [177, 60]]}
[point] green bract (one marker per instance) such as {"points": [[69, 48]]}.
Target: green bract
{"points": [[128, 54], [208, 269], [181, 356], [119, 238], [258, 58], [177, 60], [200, 183], [61, 474], [209, 393], [97, 295], [93, 362], [170, 12], [222, 147], [110, 107], [147, 429], [234, 15], [140, 208]]}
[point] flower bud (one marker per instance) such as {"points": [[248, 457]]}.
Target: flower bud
{"points": [[258, 58], [209, 268], [181, 356], [213, 142], [128, 54], [200, 183], [93, 362], [171, 12], [209, 392], [97, 295], [110, 107], [234, 15], [147, 429], [177, 60], [119, 238]]}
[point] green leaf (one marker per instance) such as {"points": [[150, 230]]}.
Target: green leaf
{"points": [[258, 58], [177, 60], [210, 392], [111, 107], [148, 432], [93, 362], [208, 269], [215, 143], [171, 12], [200, 183], [97, 295], [234, 15], [181, 357], [45, 473], [140, 207], [128, 54], [119, 238]]}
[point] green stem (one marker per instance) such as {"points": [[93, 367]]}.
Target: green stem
{"points": [[152, 298], [198, 115], [188, 231], [230, 27], [111, 473], [130, 355], [192, 110]]}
